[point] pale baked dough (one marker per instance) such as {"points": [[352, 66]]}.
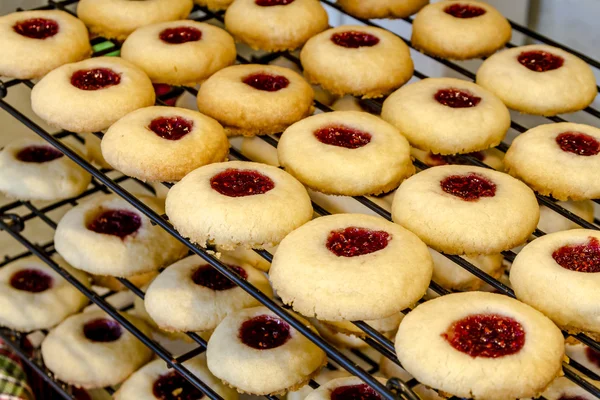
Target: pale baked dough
{"points": [[250, 221], [551, 221], [130, 146], [26, 311], [60, 104], [275, 28], [569, 88], [372, 9], [78, 361], [30, 58], [112, 283], [536, 158], [563, 388], [116, 19], [429, 357], [384, 325], [324, 391], [244, 110], [341, 70], [148, 249], [441, 34], [454, 277], [377, 167], [214, 4], [318, 283], [449, 224], [336, 338], [569, 298], [57, 179], [492, 157], [267, 371], [432, 126], [182, 64]]}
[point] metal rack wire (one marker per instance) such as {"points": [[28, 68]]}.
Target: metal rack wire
{"points": [[14, 224]]}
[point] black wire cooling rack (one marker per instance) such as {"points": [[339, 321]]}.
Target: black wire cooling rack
{"points": [[13, 221]]}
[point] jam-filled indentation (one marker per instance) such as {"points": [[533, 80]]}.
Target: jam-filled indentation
{"points": [[343, 136], [36, 28], [354, 392], [464, 10], [264, 332], [38, 154], [456, 98], [209, 277], [266, 82], [171, 128], [470, 187], [179, 35], [269, 3], [173, 386], [95, 79], [31, 280], [540, 61], [102, 330], [354, 241], [578, 143], [354, 39], [583, 257], [121, 223], [241, 182]]}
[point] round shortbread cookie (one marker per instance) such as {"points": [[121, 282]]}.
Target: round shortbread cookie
{"points": [[551, 221], [182, 53], [243, 203], [32, 169], [460, 209], [322, 378], [257, 352], [382, 8], [539, 79], [92, 350], [275, 25], [492, 157], [214, 4], [453, 277], [367, 268], [561, 160], [254, 99], [559, 274], [338, 58], [156, 380], [345, 388], [106, 235], [117, 19], [33, 296], [163, 143], [445, 116], [190, 295], [481, 346], [345, 153], [90, 95], [460, 29], [33, 43]]}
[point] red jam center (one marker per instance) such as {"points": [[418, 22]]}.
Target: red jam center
{"points": [[437, 159], [354, 392], [266, 82], [94, 79], [182, 34], [593, 356], [31, 280], [36, 28], [211, 278], [488, 336], [469, 187], [579, 257], [578, 143], [268, 3], [171, 128], [264, 332], [353, 241], [102, 330], [540, 61], [38, 154], [354, 39], [119, 223], [464, 11], [241, 182], [456, 98], [342, 136], [173, 386]]}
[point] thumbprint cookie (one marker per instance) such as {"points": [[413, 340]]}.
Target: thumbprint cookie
{"points": [[382, 8]]}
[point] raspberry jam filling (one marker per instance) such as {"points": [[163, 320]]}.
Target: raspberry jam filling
{"points": [[38, 154], [456, 98], [354, 39], [171, 128], [119, 223], [579, 257], [102, 330], [182, 34], [486, 335], [264, 332], [95, 79], [266, 82], [173, 386], [593, 356], [36, 28], [241, 182], [353, 241], [343, 136], [31, 280], [540, 61], [469, 187], [354, 392], [464, 11], [578, 143], [211, 278], [268, 3]]}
